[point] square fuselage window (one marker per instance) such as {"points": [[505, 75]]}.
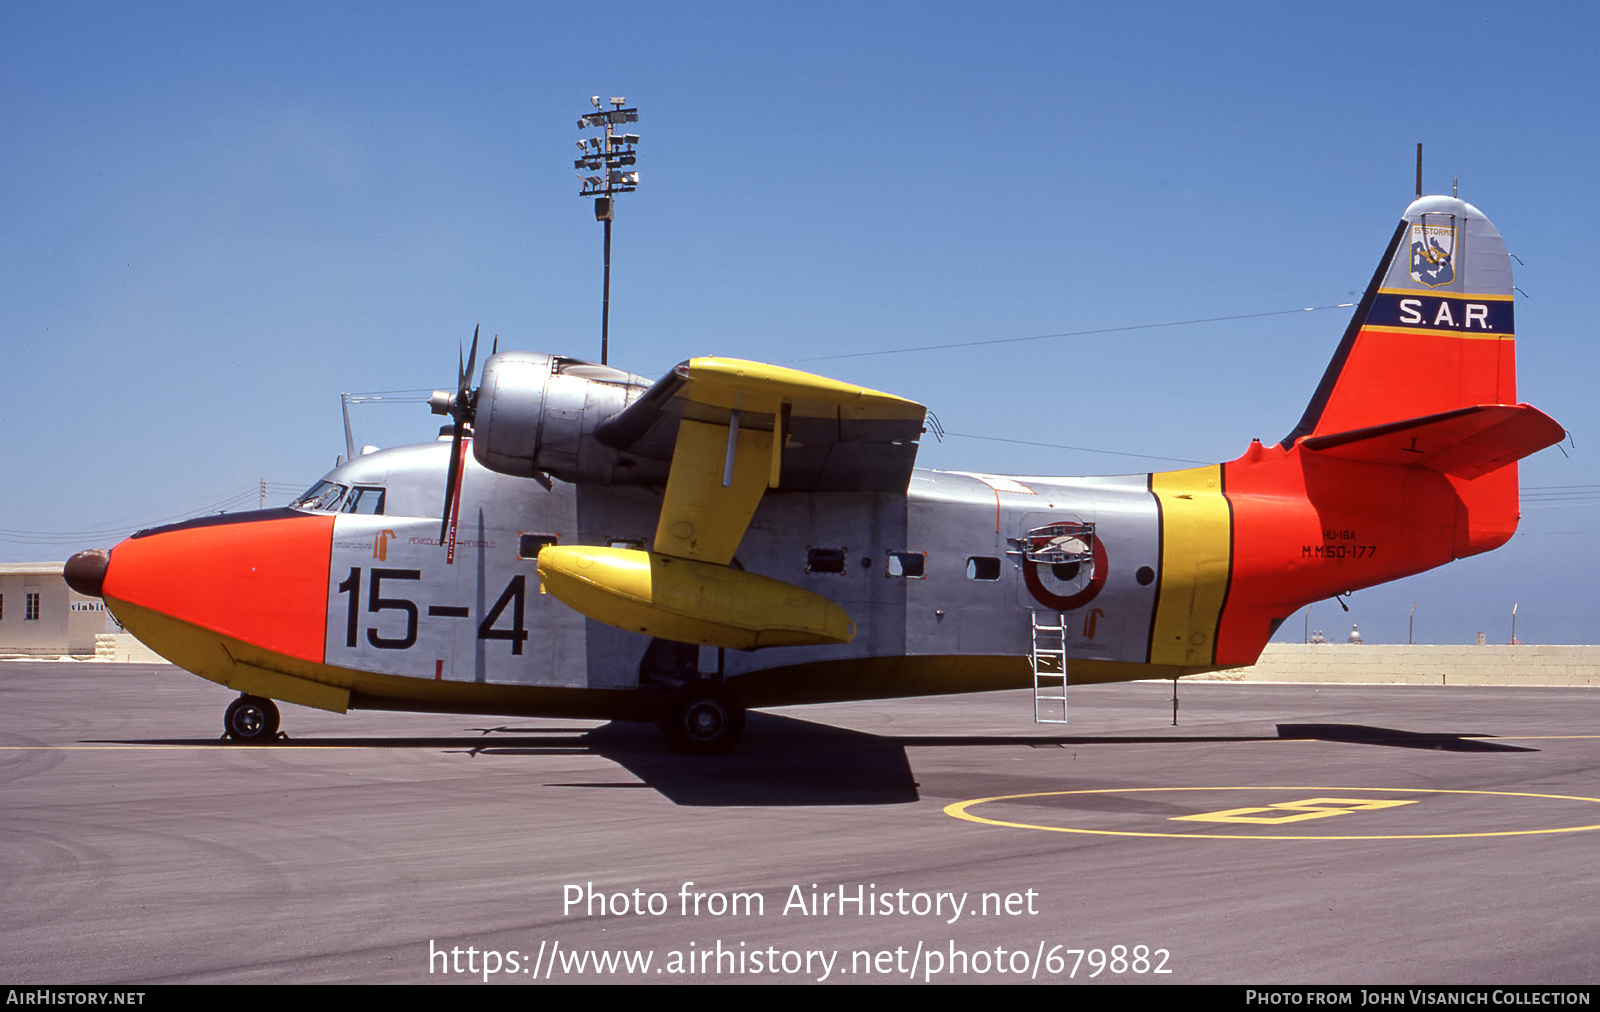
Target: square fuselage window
{"points": [[530, 545], [825, 560], [983, 567], [911, 565]]}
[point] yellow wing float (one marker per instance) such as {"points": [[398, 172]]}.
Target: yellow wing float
{"points": [[741, 428]]}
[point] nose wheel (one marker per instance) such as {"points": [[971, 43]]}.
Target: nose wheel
{"points": [[704, 719], [251, 720]]}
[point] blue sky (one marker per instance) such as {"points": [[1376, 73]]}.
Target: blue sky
{"points": [[220, 216]]}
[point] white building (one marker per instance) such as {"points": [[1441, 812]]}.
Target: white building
{"points": [[40, 616]]}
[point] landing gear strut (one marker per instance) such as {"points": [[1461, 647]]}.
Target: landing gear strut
{"points": [[701, 716], [251, 720], [704, 718]]}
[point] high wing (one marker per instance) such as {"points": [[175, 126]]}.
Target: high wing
{"points": [[837, 437], [731, 430]]}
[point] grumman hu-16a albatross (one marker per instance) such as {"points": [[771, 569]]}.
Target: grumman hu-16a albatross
{"points": [[742, 535]]}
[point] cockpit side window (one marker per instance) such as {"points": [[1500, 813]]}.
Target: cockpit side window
{"points": [[365, 499], [324, 496]]}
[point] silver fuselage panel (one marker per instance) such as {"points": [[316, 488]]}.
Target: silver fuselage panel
{"points": [[935, 571]]}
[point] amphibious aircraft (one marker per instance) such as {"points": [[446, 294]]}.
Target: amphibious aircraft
{"points": [[741, 535]]}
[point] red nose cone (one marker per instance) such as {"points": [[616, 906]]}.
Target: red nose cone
{"points": [[264, 582], [86, 571]]}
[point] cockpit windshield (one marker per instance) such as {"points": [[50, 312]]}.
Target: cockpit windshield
{"points": [[324, 496], [331, 497], [365, 499]]}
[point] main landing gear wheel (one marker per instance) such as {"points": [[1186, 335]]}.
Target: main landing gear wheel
{"points": [[251, 719], [704, 718]]}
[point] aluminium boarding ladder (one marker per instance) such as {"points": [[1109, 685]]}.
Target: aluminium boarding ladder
{"points": [[1049, 660]]}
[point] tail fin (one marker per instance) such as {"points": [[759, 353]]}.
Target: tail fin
{"points": [[1432, 334]]}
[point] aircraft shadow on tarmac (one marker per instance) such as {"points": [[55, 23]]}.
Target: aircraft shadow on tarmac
{"points": [[788, 761], [1361, 734]]}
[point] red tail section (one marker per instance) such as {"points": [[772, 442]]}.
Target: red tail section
{"points": [[1426, 375], [1406, 456]]}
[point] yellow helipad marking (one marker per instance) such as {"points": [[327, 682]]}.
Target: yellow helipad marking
{"points": [[963, 810], [1294, 811]]}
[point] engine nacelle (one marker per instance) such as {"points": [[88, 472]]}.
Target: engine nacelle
{"points": [[538, 413]]}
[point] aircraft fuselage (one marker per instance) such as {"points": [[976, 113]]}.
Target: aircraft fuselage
{"points": [[1189, 571], [741, 534]]}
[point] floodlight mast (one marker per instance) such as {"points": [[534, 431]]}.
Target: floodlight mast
{"points": [[610, 153]]}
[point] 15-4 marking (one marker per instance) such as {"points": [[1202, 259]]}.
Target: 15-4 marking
{"points": [[514, 596]]}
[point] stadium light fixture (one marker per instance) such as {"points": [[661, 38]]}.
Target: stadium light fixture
{"points": [[612, 152]]}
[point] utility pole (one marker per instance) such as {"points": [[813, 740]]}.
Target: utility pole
{"points": [[609, 154]]}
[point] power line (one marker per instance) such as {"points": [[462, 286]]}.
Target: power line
{"points": [[121, 528], [1070, 333], [1080, 449], [1561, 494]]}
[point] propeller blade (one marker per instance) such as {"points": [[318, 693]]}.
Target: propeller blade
{"points": [[450, 481], [462, 411], [472, 360]]}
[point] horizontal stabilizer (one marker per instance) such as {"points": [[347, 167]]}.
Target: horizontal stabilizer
{"points": [[1467, 442]]}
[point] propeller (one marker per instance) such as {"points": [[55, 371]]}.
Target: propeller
{"points": [[461, 406]]}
